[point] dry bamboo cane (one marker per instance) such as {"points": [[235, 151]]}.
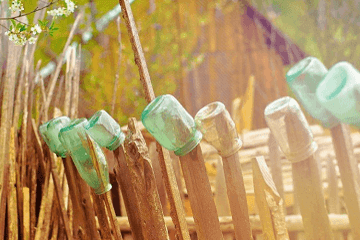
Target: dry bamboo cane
{"points": [[143, 180], [292, 132], [349, 173], [218, 129], [177, 211]]}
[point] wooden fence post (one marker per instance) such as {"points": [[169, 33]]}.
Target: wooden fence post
{"points": [[293, 134]]}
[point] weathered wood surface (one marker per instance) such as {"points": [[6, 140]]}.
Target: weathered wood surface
{"points": [[308, 191], [349, 173], [143, 180], [237, 196], [269, 202], [128, 192], [200, 195]]}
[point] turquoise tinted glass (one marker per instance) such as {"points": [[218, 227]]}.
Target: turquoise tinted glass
{"points": [[339, 93], [50, 131], [105, 130], [171, 125], [74, 140], [303, 79]]}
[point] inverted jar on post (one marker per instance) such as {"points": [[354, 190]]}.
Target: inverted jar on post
{"points": [[303, 79], [105, 130], [50, 131], [217, 127], [171, 125], [339, 93], [73, 137]]}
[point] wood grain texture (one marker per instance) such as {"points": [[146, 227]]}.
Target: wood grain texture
{"points": [[132, 207], [144, 183], [200, 195], [349, 173], [309, 193], [237, 197]]}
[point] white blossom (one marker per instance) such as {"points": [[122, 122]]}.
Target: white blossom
{"points": [[36, 29], [32, 40], [70, 8], [16, 5]]}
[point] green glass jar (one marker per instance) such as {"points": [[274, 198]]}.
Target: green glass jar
{"points": [[303, 79], [73, 137], [171, 125], [105, 130], [50, 131], [218, 129], [339, 93]]}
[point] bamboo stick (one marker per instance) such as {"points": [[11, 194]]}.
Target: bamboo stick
{"points": [[111, 213], [349, 173], [200, 195], [269, 202], [26, 213], [177, 212], [12, 198], [143, 180], [296, 141], [3, 199]]}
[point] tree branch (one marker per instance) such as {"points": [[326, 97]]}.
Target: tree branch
{"points": [[33, 11]]}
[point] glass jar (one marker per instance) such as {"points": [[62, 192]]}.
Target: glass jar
{"points": [[105, 130], [339, 93], [74, 139], [171, 125], [290, 128], [50, 131], [218, 129], [303, 79]]}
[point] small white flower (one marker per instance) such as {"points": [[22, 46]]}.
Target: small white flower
{"points": [[36, 29], [32, 40], [7, 32], [16, 5]]}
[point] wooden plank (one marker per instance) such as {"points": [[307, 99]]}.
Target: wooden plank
{"points": [[143, 180], [269, 202], [200, 195], [349, 173], [127, 189]]}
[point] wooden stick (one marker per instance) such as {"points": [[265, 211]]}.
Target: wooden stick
{"points": [[177, 212], [219, 130], [102, 217], [276, 166], [4, 194], [127, 189], [143, 180], [12, 198], [349, 173], [237, 196], [269, 202], [112, 216], [200, 195]]}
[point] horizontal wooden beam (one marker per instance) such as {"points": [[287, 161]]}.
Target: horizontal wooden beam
{"points": [[338, 222]]}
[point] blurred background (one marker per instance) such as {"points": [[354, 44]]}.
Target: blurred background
{"points": [[202, 51]]}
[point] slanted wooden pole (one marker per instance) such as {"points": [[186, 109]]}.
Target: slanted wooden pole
{"points": [[177, 211], [292, 132], [349, 173], [269, 202], [219, 129]]}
